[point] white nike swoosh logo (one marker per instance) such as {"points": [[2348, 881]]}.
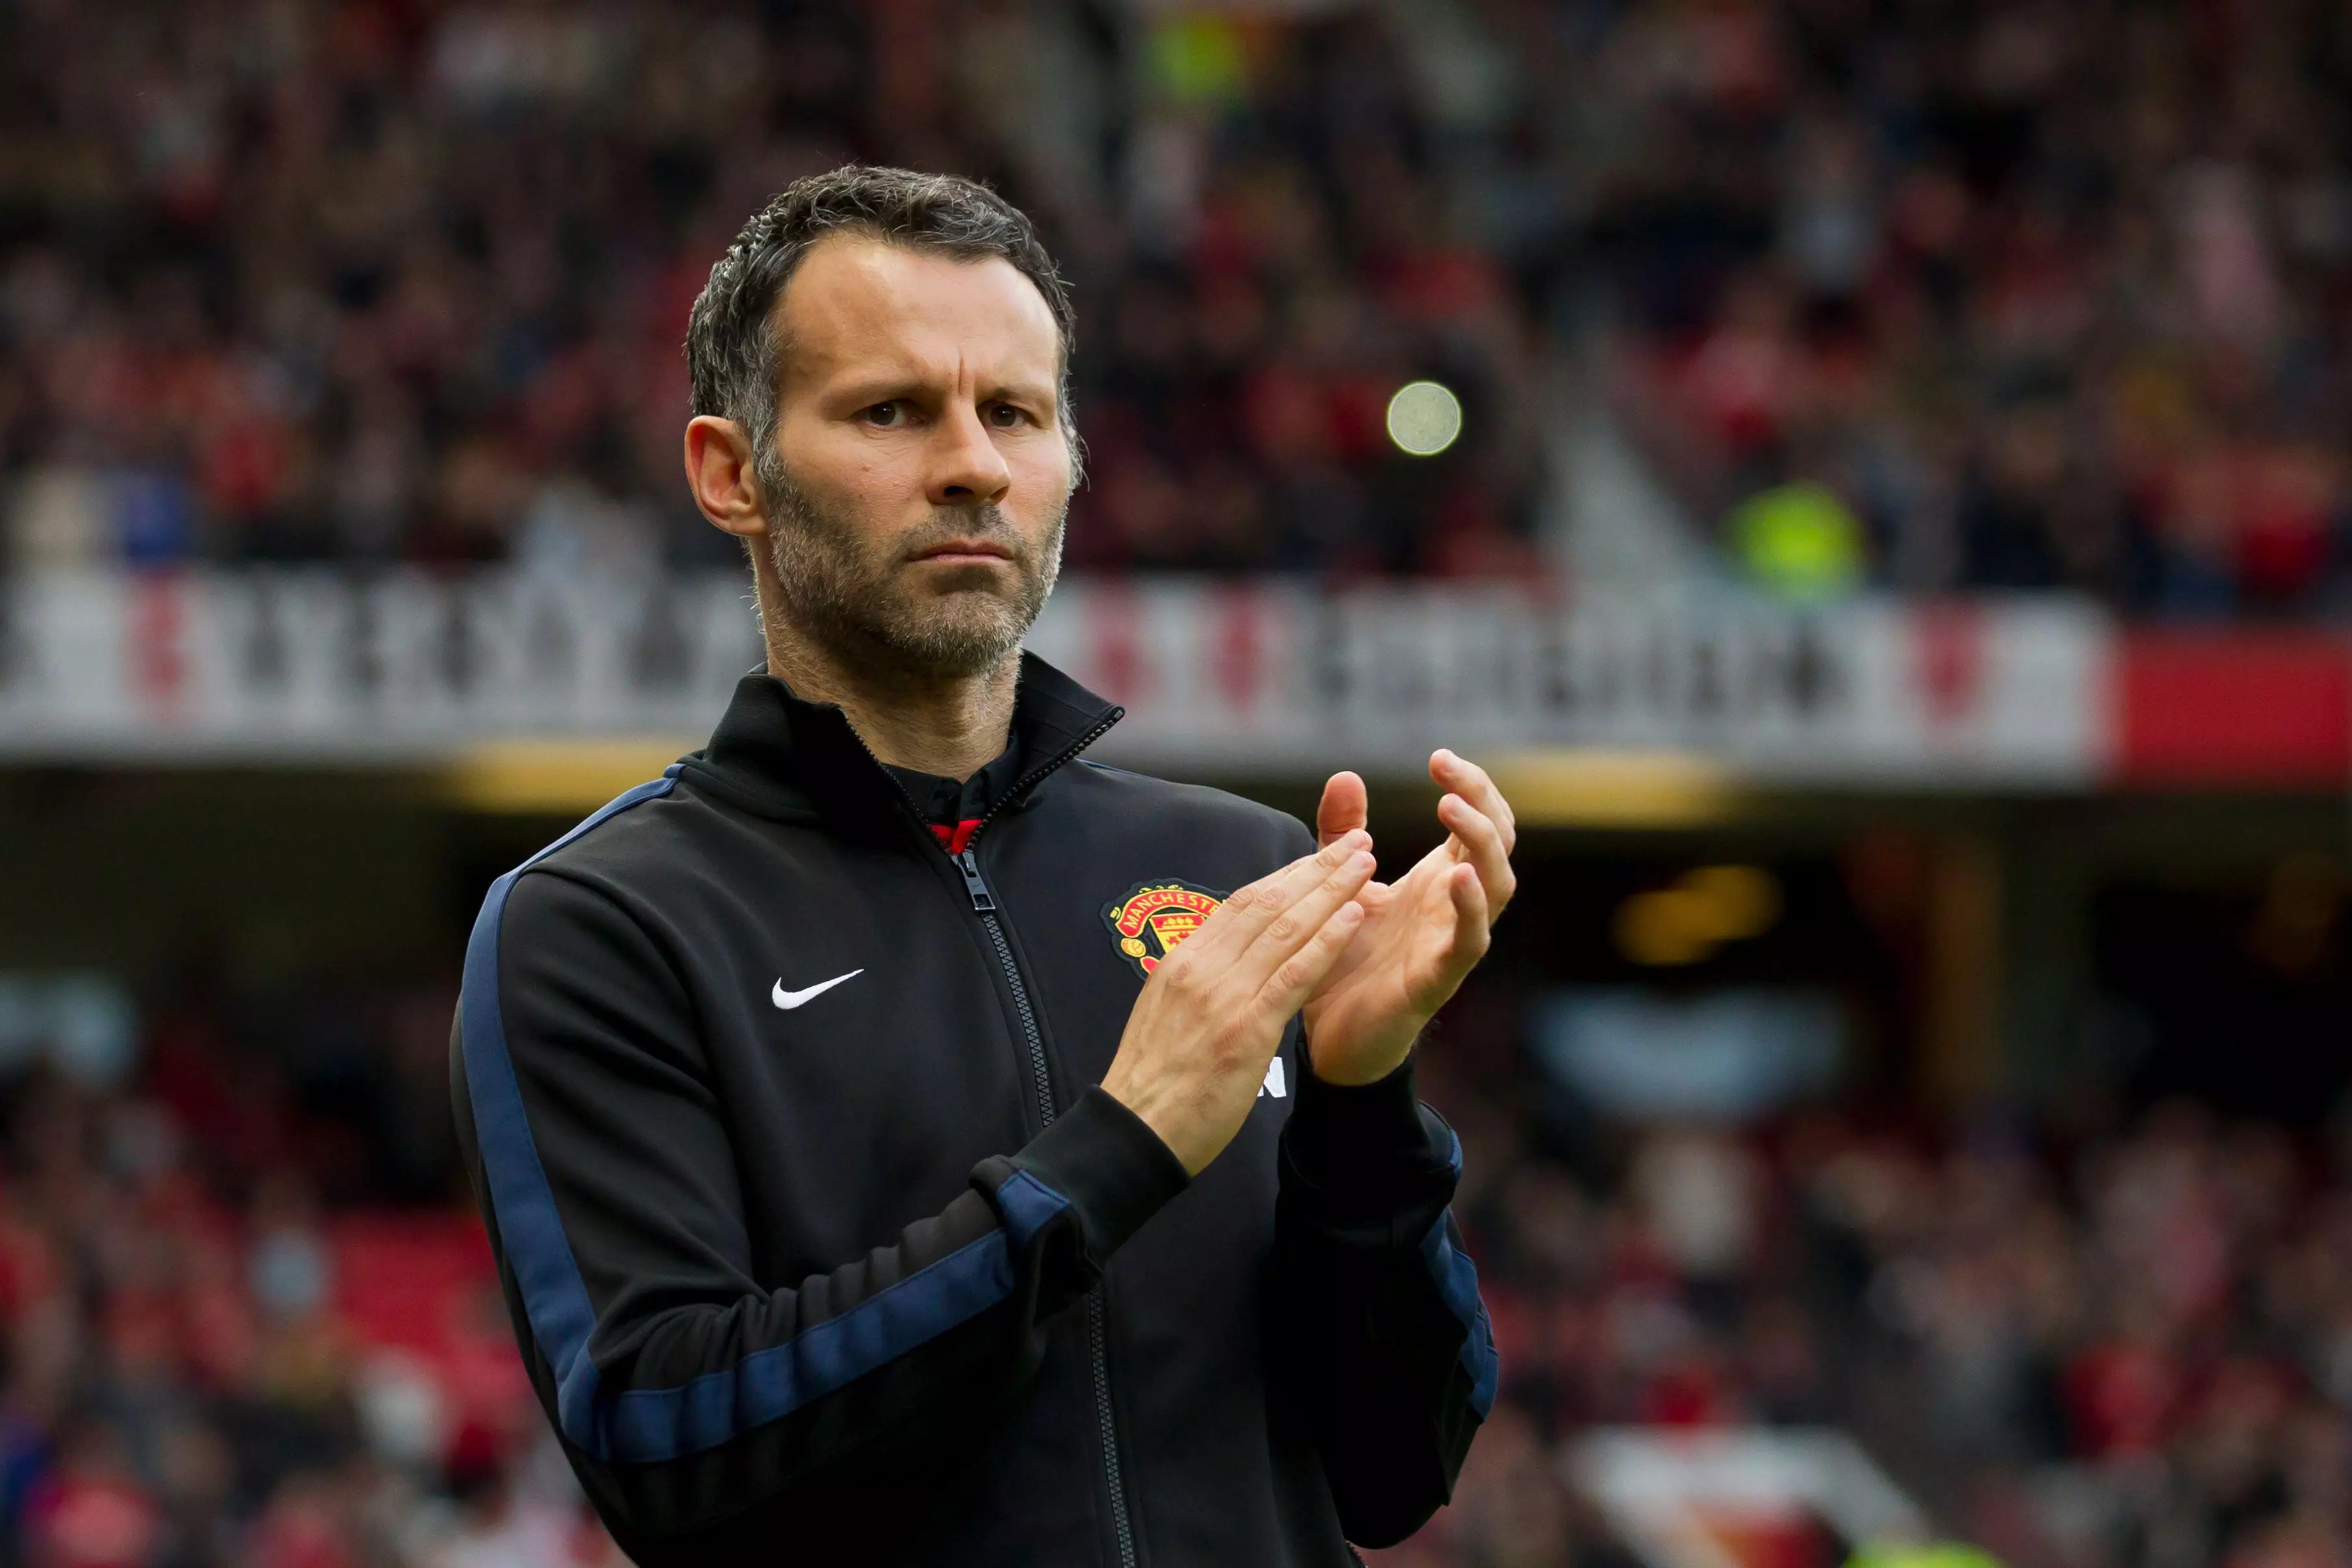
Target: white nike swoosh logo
{"points": [[788, 1000]]}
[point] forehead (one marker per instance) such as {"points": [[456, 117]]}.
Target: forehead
{"points": [[857, 304]]}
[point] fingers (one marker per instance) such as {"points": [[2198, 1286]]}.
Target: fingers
{"points": [[1250, 909], [1466, 898], [1472, 919], [1345, 806], [1295, 978], [1294, 928], [1483, 847], [1468, 780]]}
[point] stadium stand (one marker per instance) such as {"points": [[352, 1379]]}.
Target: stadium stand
{"points": [[1918, 297], [367, 283], [1994, 298], [2040, 296], [2121, 1345]]}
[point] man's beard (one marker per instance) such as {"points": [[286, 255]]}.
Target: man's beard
{"points": [[859, 601]]}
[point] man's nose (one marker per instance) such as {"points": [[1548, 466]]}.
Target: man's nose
{"points": [[966, 468]]}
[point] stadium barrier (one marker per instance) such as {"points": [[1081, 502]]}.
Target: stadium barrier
{"points": [[403, 667]]}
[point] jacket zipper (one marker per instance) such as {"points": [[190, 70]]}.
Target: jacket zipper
{"points": [[984, 904]]}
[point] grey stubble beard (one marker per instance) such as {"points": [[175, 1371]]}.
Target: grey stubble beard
{"points": [[854, 607]]}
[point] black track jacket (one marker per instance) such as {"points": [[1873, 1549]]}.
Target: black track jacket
{"points": [[820, 1243]]}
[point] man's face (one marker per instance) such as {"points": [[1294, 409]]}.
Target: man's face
{"points": [[919, 474]]}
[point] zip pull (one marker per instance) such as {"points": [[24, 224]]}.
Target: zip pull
{"points": [[982, 899]]}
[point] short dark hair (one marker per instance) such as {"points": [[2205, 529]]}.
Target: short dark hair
{"points": [[731, 354]]}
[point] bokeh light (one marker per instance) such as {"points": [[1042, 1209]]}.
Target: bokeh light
{"points": [[1424, 418], [1703, 909]]}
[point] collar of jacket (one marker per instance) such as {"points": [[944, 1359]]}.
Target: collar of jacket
{"points": [[784, 757]]}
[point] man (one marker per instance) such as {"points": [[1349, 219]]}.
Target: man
{"points": [[895, 1131]]}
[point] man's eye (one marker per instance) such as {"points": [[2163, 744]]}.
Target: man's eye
{"points": [[1004, 416], [884, 413]]}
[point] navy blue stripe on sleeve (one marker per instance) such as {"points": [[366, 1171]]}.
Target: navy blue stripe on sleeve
{"points": [[1457, 1282], [666, 1422], [646, 1425], [555, 1299], [1027, 1204]]}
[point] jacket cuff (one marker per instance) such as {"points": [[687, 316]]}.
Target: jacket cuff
{"points": [[1365, 1137], [1111, 1165]]}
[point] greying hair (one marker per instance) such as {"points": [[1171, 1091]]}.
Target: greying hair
{"points": [[731, 350]]}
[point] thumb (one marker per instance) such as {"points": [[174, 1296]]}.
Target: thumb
{"points": [[1344, 807]]}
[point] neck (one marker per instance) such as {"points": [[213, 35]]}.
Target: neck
{"points": [[949, 725]]}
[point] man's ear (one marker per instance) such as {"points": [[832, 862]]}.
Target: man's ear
{"points": [[718, 470]]}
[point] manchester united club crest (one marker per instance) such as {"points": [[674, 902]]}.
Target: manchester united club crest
{"points": [[1155, 916]]}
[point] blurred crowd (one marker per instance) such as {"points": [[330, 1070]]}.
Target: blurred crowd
{"points": [[246, 1316], [294, 281], [221, 1344], [1928, 295], [2128, 1349], [1997, 295]]}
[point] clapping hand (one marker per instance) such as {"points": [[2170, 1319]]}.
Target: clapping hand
{"points": [[1420, 934]]}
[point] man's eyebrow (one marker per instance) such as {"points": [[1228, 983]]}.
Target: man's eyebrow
{"points": [[896, 380], [874, 381], [1025, 391]]}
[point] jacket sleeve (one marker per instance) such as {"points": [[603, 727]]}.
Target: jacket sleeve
{"points": [[1390, 1356], [687, 1392]]}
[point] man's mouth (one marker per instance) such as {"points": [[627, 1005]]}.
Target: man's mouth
{"points": [[964, 551]]}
